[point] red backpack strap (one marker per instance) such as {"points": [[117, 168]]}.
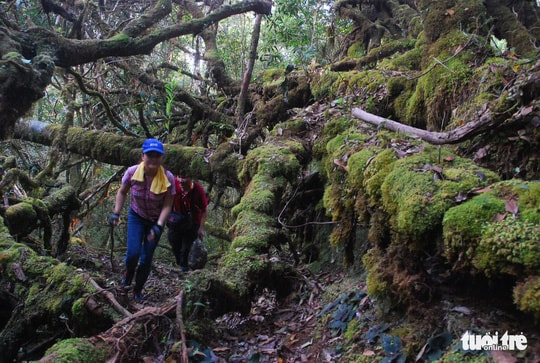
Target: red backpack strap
{"points": [[176, 201]]}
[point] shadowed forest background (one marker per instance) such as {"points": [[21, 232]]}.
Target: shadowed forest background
{"points": [[372, 167]]}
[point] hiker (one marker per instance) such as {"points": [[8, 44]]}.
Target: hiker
{"points": [[152, 193], [189, 210]]}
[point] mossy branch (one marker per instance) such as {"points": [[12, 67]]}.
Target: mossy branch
{"points": [[111, 115]]}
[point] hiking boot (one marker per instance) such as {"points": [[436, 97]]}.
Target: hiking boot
{"points": [[124, 282], [137, 296], [126, 279]]}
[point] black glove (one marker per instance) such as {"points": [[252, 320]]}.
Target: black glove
{"points": [[155, 233], [113, 219]]}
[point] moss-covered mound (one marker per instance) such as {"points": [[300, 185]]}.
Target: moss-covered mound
{"points": [[497, 233]]}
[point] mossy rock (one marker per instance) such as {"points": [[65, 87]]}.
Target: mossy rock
{"points": [[421, 188], [481, 232], [509, 246], [21, 219]]}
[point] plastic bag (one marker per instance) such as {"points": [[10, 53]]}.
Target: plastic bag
{"points": [[198, 255]]}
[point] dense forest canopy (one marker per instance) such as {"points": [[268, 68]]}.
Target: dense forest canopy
{"points": [[269, 104]]}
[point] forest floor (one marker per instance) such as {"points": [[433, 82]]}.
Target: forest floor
{"points": [[330, 318]]}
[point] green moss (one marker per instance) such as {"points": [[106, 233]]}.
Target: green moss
{"points": [[272, 161], [527, 296], [528, 195], [238, 266], [21, 212], [358, 162], [294, 126], [321, 85], [356, 50], [272, 75], [78, 350], [471, 224], [459, 356], [13, 56], [419, 190], [462, 225], [375, 173], [78, 309], [377, 286], [509, 246], [439, 91], [60, 273], [259, 196], [332, 128], [253, 230], [407, 61], [120, 37]]}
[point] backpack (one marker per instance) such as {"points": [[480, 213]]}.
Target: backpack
{"points": [[198, 255]]}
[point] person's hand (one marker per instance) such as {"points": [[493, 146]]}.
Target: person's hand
{"points": [[155, 233], [200, 233], [114, 218]]}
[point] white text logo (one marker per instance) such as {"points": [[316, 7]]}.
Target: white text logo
{"points": [[493, 342]]}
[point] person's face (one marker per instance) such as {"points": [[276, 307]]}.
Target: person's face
{"points": [[152, 160], [185, 183]]}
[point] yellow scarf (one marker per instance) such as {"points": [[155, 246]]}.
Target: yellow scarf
{"points": [[160, 183]]}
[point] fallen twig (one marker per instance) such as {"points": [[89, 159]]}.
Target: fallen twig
{"points": [[116, 305], [180, 323]]}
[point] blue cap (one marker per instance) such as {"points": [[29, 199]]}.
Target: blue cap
{"points": [[152, 145]]}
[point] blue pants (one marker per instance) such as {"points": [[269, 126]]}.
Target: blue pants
{"points": [[139, 249]]}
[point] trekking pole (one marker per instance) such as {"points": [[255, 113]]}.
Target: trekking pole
{"points": [[111, 237]]}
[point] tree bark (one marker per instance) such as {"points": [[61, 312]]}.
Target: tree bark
{"points": [[242, 97]]}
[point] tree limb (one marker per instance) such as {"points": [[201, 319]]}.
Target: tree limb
{"points": [[71, 52], [460, 134]]}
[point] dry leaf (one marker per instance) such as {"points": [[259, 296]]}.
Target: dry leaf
{"points": [[526, 110], [512, 206], [460, 197], [481, 190], [221, 349], [499, 217], [341, 164], [450, 12], [421, 353], [18, 272], [368, 353]]}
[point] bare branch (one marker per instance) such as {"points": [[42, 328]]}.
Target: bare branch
{"points": [[455, 136]]}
